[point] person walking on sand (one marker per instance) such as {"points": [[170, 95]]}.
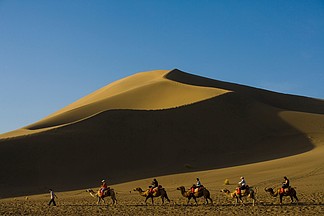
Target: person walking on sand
{"points": [[53, 196]]}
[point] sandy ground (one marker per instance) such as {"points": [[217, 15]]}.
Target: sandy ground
{"points": [[307, 179]]}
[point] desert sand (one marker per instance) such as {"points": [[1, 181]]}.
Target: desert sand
{"points": [[172, 126]]}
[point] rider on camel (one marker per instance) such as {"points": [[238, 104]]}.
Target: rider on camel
{"points": [[103, 187], [153, 185], [285, 184], [242, 185], [197, 185]]}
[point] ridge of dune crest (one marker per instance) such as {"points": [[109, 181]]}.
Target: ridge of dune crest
{"points": [[150, 90], [115, 88]]}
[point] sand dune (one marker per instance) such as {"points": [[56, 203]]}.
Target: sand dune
{"points": [[168, 124], [142, 91]]}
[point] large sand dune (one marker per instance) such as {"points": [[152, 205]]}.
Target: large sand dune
{"points": [[170, 124]]}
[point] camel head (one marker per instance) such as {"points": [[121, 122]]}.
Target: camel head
{"points": [[90, 190], [270, 190], [92, 193], [181, 188], [138, 189], [225, 191]]}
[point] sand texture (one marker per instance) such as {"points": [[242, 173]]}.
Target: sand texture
{"points": [[174, 126]]}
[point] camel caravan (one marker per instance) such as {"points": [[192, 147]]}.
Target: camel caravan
{"points": [[198, 191]]}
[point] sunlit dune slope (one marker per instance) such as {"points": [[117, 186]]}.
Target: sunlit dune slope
{"points": [[142, 91], [158, 123]]}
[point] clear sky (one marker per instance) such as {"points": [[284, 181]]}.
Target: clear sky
{"points": [[55, 52]]}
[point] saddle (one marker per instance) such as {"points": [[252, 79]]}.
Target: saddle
{"points": [[104, 192], [197, 189], [284, 190], [240, 191], [155, 189]]}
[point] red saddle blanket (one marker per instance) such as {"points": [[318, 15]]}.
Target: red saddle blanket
{"points": [[283, 190]]}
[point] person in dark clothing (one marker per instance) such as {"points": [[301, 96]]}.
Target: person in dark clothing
{"points": [[153, 185], [286, 183], [53, 196]]}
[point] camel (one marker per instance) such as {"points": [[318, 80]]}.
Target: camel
{"points": [[291, 192], [160, 192], [188, 194], [110, 192], [249, 192]]}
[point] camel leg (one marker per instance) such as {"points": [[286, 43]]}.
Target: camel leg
{"points": [[236, 201], [114, 200], [211, 200], [195, 200], [146, 199], [152, 201], [296, 198], [188, 200], [241, 200], [166, 197], [208, 198], [162, 197], [280, 197]]}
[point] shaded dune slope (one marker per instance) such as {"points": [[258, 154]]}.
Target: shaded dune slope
{"points": [[283, 101], [233, 127]]}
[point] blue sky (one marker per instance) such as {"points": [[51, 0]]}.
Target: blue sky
{"points": [[55, 52]]}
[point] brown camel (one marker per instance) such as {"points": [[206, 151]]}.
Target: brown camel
{"points": [[160, 192], [188, 194], [110, 192], [290, 192], [249, 192]]}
